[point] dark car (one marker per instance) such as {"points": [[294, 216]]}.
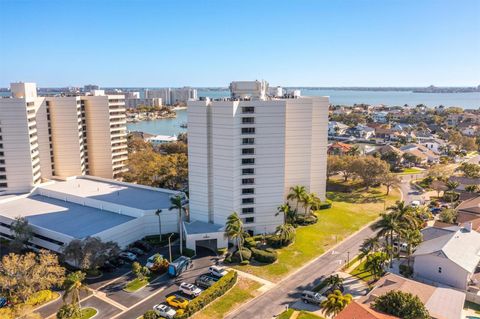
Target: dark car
{"points": [[136, 251], [205, 281], [117, 261], [4, 302], [143, 245]]}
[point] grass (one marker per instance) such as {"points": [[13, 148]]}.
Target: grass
{"points": [[350, 211], [351, 262], [286, 314], [470, 305], [361, 273], [308, 315], [409, 171], [88, 313], [135, 284], [243, 291]]}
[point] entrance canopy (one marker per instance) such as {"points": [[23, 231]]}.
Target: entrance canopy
{"points": [[204, 234]]}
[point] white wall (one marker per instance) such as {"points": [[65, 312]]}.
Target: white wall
{"points": [[426, 266]]}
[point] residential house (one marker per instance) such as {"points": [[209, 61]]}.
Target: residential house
{"points": [[450, 259], [464, 181], [361, 131], [423, 153], [384, 131], [436, 145], [356, 310], [441, 303], [336, 128], [471, 130], [469, 212], [380, 117], [339, 148]]}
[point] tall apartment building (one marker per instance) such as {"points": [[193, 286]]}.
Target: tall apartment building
{"points": [[60, 136], [173, 96], [246, 152]]}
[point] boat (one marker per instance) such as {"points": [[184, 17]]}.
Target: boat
{"points": [[183, 125]]}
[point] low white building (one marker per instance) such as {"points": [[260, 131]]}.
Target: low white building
{"points": [[161, 139], [79, 207], [449, 259]]}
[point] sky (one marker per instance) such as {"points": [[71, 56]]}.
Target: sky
{"points": [[147, 43]]}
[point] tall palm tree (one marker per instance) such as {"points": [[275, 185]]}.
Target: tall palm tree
{"points": [[297, 193], [73, 285], [157, 212], [234, 230], [335, 303], [471, 188], [334, 282], [388, 225], [405, 214], [307, 201], [412, 237], [375, 263], [369, 245], [289, 215], [286, 233], [452, 186], [177, 203]]}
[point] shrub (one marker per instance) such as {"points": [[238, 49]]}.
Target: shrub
{"points": [[39, 297], [246, 255], [222, 251], [210, 294], [450, 196], [325, 205], [188, 252], [244, 262], [150, 314], [406, 271], [306, 220], [250, 242], [274, 241], [267, 256]]}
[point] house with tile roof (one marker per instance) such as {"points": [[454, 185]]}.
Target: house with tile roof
{"points": [[469, 212]]}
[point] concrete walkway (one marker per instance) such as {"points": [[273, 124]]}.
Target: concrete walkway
{"points": [[266, 285], [353, 285]]}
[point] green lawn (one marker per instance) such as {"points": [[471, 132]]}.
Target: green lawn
{"points": [[409, 171], [243, 291], [135, 284], [473, 306], [88, 313], [361, 273], [302, 315], [286, 314], [350, 211]]}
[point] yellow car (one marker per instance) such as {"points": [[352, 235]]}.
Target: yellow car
{"points": [[177, 302]]}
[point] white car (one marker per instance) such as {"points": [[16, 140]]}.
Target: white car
{"points": [[415, 203], [128, 255], [190, 290], [217, 271], [164, 311]]}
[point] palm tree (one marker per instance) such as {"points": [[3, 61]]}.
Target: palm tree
{"points": [[452, 186], [157, 212], [289, 215], [307, 201], [405, 214], [388, 225], [412, 237], [353, 151], [297, 193], [234, 230], [369, 245], [471, 188], [335, 282], [73, 285], [335, 303], [376, 262], [177, 203], [286, 233]]}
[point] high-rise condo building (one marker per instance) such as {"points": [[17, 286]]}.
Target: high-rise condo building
{"points": [[245, 152], [59, 136], [172, 96]]}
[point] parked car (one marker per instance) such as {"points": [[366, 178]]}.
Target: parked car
{"points": [[151, 260], [117, 261], [177, 302], [312, 297], [436, 210], [4, 302], [136, 251], [217, 271], [143, 245], [400, 246], [190, 290], [164, 311], [205, 281], [415, 203], [126, 255]]}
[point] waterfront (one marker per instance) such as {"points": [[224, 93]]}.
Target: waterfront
{"points": [[162, 126]]}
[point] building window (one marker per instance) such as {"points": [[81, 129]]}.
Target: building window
{"points": [[248, 161], [248, 181], [248, 210], [246, 191], [248, 171], [248, 109], [248, 151], [439, 270], [248, 141], [248, 200], [3, 185], [248, 130], [248, 120], [249, 220]]}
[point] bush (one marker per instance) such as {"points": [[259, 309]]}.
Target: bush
{"points": [[246, 255], [267, 256], [222, 251], [40, 297], [155, 239], [274, 241], [188, 252], [307, 220], [450, 196], [406, 271], [150, 314], [210, 294], [250, 242], [325, 205], [244, 262]]}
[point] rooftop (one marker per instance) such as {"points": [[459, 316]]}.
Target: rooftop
{"points": [[114, 192], [199, 227], [71, 219]]}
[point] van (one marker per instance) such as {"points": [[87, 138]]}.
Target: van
{"points": [[178, 266], [312, 297]]}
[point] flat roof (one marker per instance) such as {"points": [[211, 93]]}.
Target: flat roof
{"points": [[199, 227], [117, 193], [63, 217]]}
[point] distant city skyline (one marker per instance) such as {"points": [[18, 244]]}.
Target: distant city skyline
{"points": [[145, 43]]}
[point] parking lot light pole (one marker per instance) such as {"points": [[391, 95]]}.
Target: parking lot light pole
{"points": [[170, 246], [158, 212]]}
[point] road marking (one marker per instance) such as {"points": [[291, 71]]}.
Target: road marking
{"points": [[103, 296], [140, 302]]}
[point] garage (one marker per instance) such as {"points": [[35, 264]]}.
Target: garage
{"points": [[207, 243]]}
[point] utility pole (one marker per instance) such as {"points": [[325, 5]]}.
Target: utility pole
{"points": [[158, 212]]}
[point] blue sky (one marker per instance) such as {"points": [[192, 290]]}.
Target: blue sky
{"points": [[210, 43]]}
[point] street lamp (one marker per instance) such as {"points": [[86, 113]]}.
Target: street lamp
{"points": [[170, 247], [159, 225]]}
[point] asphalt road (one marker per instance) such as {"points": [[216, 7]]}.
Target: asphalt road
{"points": [[288, 291]]}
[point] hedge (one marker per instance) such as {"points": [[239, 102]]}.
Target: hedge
{"points": [[188, 252], [246, 255], [325, 205], [306, 220], [210, 294], [40, 297], [250, 242], [267, 256]]}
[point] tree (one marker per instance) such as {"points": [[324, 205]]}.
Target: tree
{"points": [[140, 271], [335, 282], [470, 170], [335, 303], [452, 186], [73, 285], [23, 275], [440, 171], [177, 203], [353, 151], [401, 304], [405, 215], [234, 230], [333, 165], [307, 201], [286, 233], [375, 263], [369, 245], [387, 226], [448, 215], [412, 237], [345, 166], [471, 188], [370, 169], [390, 180], [90, 253], [22, 233], [289, 215], [67, 311], [438, 186], [297, 194]]}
